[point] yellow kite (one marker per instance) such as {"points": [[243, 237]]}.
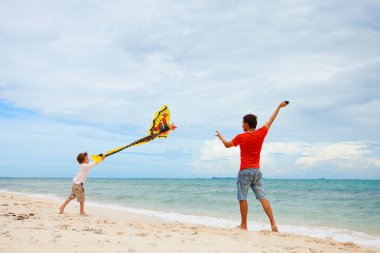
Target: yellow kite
{"points": [[160, 128]]}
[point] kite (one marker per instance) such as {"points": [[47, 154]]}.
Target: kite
{"points": [[160, 128]]}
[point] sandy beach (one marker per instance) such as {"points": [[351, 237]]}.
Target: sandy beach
{"points": [[32, 224]]}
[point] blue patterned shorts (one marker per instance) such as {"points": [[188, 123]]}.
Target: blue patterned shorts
{"points": [[250, 178]]}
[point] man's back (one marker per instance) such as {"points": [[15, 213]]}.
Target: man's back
{"points": [[250, 143]]}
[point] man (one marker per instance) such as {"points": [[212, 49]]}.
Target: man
{"points": [[250, 175]]}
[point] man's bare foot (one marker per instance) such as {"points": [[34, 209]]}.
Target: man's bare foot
{"points": [[274, 228], [61, 210], [242, 227], [83, 214]]}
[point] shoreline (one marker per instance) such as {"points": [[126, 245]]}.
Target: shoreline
{"points": [[32, 224], [341, 235]]}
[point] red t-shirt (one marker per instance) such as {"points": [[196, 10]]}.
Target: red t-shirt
{"points": [[250, 147]]}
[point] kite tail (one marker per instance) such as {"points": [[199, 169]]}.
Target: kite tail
{"points": [[98, 158]]}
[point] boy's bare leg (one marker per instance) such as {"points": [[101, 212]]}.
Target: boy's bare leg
{"points": [[82, 212], [62, 208], [268, 210]]}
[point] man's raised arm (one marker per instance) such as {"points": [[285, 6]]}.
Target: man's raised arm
{"points": [[274, 115]]}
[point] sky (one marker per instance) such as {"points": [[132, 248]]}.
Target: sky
{"points": [[81, 76]]}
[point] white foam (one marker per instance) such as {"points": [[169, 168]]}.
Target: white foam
{"points": [[173, 216], [47, 196], [340, 235]]}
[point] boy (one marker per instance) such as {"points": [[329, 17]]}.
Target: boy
{"points": [[77, 190]]}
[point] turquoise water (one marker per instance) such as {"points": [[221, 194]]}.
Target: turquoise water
{"points": [[326, 208]]}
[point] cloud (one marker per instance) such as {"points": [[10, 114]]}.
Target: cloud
{"points": [[295, 159], [117, 57], [216, 160], [343, 156], [109, 66]]}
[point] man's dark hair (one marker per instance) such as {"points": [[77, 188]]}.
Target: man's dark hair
{"points": [[251, 120], [81, 157]]}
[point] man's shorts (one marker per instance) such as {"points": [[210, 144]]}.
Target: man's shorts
{"points": [[77, 191], [250, 178]]}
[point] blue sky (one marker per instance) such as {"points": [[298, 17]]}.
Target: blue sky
{"points": [[89, 76]]}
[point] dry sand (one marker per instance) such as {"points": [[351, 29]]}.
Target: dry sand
{"points": [[32, 224]]}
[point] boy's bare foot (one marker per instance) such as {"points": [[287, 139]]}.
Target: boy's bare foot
{"points": [[274, 228], [61, 210], [242, 227], [83, 213]]}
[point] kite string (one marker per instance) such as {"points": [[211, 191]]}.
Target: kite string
{"points": [[229, 117]]}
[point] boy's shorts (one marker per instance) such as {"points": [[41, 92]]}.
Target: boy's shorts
{"points": [[77, 191], [250, 178]]}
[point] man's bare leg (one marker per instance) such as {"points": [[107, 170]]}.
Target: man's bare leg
{"points": [[244, 213], [268, 210]]}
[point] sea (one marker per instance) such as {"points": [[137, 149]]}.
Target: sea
{"points": [[343, 210]]}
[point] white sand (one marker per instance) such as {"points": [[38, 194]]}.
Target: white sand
{"points": [[29, 224]]}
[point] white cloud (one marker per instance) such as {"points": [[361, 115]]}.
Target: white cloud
{"points": [[119, 55], [113, 64], [344, 156], [216, 160], [294, 159], [359, 112]]}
